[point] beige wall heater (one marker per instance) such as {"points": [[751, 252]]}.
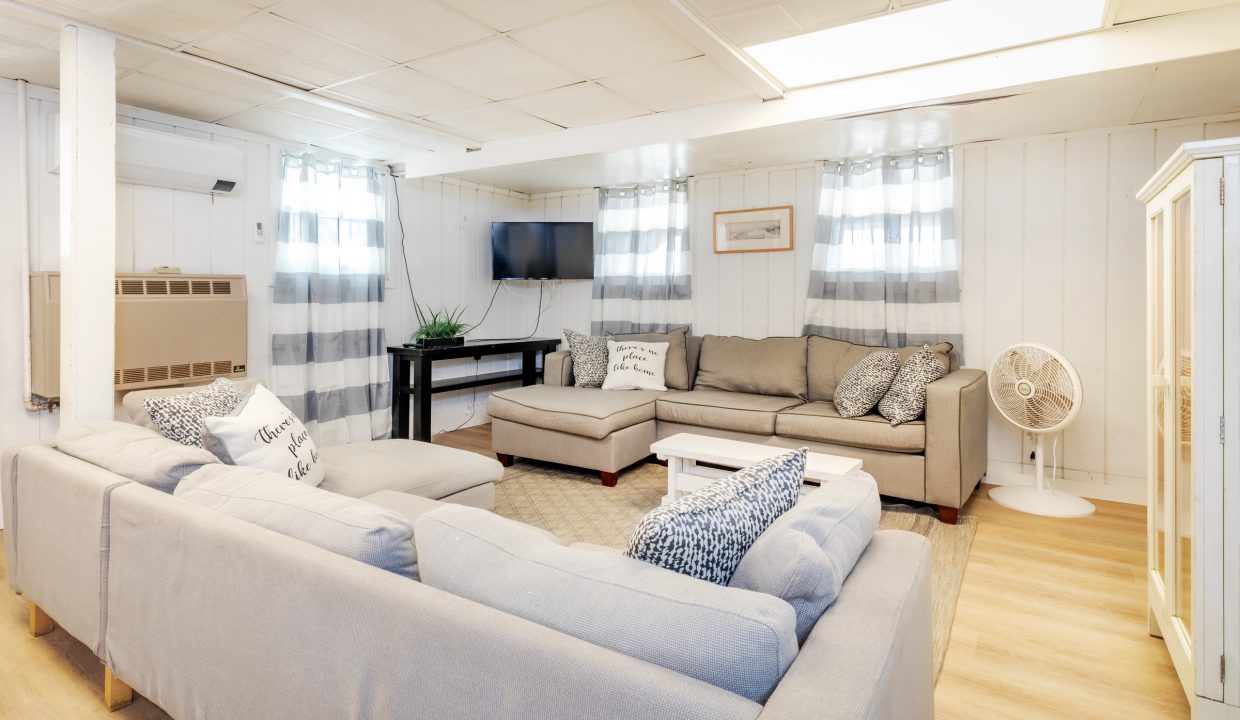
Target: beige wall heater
{"points": [[170, 330]]}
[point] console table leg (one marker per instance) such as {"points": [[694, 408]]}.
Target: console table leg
{"points": [[400, 397], [422, 399]]}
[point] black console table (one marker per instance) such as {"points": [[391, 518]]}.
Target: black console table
{"points": [[414, 364]]}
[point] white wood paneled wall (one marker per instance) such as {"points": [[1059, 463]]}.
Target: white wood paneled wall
{"points": [[1054, 252]]}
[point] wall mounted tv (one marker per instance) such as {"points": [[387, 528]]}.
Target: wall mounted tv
{"points": [[542, 250]]}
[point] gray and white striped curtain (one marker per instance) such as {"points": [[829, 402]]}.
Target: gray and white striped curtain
{"points": [[641, 259], [886, 264], [329, 354]]}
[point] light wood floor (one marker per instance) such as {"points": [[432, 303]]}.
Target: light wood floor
{"points": [[1050, 624]]}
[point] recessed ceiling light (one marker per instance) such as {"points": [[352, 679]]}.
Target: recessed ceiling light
{"points": [[942, 31]]}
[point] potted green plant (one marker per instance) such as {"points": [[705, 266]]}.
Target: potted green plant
{"points": [[439, 328]]}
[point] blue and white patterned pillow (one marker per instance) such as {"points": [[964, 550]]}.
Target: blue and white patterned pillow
{"points": [[705, 534]]}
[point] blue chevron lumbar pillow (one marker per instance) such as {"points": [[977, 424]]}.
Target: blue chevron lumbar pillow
{"points": [[705, 534]]}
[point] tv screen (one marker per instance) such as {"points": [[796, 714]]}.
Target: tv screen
{"points": [[542, 250]]}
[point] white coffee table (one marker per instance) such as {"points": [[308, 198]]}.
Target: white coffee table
{"points": [[684, 451]]}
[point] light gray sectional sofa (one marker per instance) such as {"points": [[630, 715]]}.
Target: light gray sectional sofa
{"points": [[777, 391], [210, 616]]}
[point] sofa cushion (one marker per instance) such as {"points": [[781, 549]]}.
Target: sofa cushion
{"points": [[735, 639], [830, 360], [705, 534], [346, 526], [771, 366], [410, 507], [589, 354], [135, 408], [265, 434], [821, 422], [676, 369], [179, 417], [589, 412], [742, 412], [805, 555], [137, 453], [406, 466]]}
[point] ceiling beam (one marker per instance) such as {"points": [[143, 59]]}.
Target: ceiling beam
{"points": [[699, 32], [1158, 40]]}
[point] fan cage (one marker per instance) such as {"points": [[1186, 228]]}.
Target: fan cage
{"points": [[1035, 388]]}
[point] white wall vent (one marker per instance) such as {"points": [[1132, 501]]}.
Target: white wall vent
{"points": [[160, 159]]}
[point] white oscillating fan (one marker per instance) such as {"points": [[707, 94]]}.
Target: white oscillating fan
{"points": [[1037, 390]]}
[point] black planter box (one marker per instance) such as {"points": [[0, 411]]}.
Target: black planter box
{"points": [[439, 342]]}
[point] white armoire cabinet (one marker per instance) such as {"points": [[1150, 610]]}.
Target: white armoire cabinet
{"points": [[1193, 406]]}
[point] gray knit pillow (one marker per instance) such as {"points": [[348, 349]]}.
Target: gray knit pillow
{"points": [[179, 417], [589, 354], [866, 383], [906, 400]]}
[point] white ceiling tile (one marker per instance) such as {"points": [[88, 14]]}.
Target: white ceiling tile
{"points": [[176, 98], [411, 137], [1131, 10], [399, 31], [408, 91], [492, 122], [285, 126], [28, 33], [758, 26], [578, 105], [607, 40], [717, 8], [505, 15], [307, 108], [698, 81], [175, 21], [277, 48], [817, 14], [498, 69], [195, 76], [29, 62]]}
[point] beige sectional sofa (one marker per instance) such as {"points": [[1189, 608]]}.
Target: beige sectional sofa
{"points": [[210, 616], [776, 391]]}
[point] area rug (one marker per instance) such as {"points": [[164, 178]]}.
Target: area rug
{"points": [[572, 504]]}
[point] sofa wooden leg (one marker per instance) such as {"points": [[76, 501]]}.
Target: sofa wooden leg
{"points": [[948, 514], [116, 694], [505, 459], [40, 622], [609, 478]]}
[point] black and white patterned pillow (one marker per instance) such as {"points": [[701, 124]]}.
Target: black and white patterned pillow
{"points": [[906, 400], [866, 383], [179, 417], [705, 534], [589, 355]]}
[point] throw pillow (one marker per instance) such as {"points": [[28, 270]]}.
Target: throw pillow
{"points": [[705, 534], [589, 354], [267, 435], [346, 526], [805, 556], [906, 400], [179, 417], [635, 365], [676, 370], [866, 383]]}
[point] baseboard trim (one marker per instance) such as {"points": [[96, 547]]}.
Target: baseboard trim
{"points": [[1087, 485]]}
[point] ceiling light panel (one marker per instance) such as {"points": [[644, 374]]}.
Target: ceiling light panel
{"points": [[399, 30], [922, 35], [492, 122], [497, 69], [277, 48], [607, 40], [683, 84], [409, 92], [578, 105]]}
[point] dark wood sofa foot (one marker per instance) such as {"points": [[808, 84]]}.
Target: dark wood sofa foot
{"points": [[609, 478], [948, 514], [505, 459]]}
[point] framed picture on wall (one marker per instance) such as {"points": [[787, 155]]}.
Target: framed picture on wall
{"points": [[766, 229]]}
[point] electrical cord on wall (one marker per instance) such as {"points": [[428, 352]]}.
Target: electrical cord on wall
{"points": [[537, 320], [400, 222]]}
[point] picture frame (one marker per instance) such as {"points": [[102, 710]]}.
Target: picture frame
{"points": [[767, 229]]}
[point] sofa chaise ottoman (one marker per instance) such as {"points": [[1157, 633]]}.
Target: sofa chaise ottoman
{"points": [[775, 391]]}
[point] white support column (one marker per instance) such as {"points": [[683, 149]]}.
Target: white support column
{"points": [[87, 224]]}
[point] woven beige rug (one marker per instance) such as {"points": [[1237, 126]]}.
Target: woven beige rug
{"points": [[573, 504]]}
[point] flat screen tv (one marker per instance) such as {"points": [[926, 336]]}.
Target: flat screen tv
{"points": [[542, 250]]}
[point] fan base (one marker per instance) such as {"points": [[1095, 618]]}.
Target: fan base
{"points": [[1050, 503]]}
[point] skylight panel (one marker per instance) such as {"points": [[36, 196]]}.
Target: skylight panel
{"points": [[942, 31]]}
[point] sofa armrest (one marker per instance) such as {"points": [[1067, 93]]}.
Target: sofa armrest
{"points": [[870, 656], [957, 406], [558, 368]]}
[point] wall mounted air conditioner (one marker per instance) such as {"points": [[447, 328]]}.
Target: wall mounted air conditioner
{"points": [[170, 330], [160, 159]]}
